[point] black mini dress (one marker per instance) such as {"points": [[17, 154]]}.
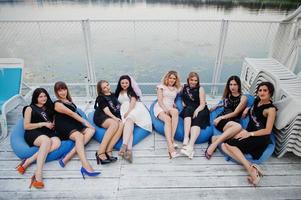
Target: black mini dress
{"points": [[191, 99], [229, 104], [103, 101], [38, 115], [66, 125], [254, 145]]}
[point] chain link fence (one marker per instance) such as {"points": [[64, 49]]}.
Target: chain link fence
{"points": [[86, 51]]}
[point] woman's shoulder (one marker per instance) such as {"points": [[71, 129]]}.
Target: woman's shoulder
{"points": [[161, 86]]}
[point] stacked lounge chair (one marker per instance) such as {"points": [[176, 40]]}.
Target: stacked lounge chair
{"points": [[287, 98]]}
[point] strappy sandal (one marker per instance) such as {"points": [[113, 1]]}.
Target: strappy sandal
{"points": [[122, 150], [129, 156]]}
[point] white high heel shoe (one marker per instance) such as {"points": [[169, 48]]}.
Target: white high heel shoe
{"points": [[188, 151]]}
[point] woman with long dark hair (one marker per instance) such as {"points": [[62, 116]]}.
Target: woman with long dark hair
{"points": [[234, 102], [38, 125], [69, 124], [255, 139], [133, 111]]}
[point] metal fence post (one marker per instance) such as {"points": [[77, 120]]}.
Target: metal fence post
{"points": [[90, 90], [219, 57]]}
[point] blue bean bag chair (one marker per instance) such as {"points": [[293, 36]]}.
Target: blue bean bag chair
{"points": [[23, 150], [139, 133], [158, 125], [244, 122]]}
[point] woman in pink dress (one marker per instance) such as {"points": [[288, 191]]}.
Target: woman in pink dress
{"points": [[166, 110]]}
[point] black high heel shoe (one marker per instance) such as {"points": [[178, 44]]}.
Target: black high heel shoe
{"points": [[101, 161], [111, 158]]}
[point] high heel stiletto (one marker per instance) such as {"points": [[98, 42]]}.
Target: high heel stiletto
{"points": [[61, 162], [102, 161], [129, 156], [20, 167], [173, 155], [111, 158], [188, 151], [259, 170], [84, 172], [35, 183], [259, 174]]}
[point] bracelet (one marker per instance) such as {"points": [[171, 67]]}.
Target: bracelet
{"points": [[39, 124], [252, 134]]}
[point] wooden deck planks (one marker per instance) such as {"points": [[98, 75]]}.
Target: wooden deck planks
{"points": [[151, 176]]}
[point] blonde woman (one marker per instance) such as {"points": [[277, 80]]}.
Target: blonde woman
{"points": [[166, 110]]}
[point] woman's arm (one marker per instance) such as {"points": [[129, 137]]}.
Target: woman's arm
{"points": [[160, 99], [133, 101], [271, 116], [30, 126], [241, 106], [107, 111], [216, 106], [202, 105]]}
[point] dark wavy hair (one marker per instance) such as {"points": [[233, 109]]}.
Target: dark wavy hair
{"points": [[130, 91], [35, 95], [269, 85], [227, 91]]}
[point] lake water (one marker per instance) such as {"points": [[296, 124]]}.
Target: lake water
{"points": [[145, 49]]}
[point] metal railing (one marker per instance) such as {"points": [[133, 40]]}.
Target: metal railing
{"points": [[81, 52]]}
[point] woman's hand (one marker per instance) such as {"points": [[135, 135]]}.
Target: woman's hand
{"points": [[243, 135], [166, 111], [217, 120], [87, 124], [48, 125], [245, 113], [117, 119], [195, 113], [126, 114]]}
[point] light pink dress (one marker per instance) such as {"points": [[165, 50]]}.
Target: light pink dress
{"points": [[169, 96]]}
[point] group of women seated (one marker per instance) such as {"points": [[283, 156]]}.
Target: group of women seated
{"points": [[47, 123]]}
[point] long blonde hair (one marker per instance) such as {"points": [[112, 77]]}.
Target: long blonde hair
{"points": [[167, 75]]}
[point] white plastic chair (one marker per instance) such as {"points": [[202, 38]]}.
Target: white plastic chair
{"points": [[11, 70]]}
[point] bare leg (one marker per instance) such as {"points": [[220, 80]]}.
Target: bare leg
{"points": [[174, 122], [80, 149], [88, 134], [230, 130], [115, 137], [44, 144], [194, 134], [130, 144], [55, 144], [112, 126], [237, 155], [187, 126], [167, 130], [128, 132]]}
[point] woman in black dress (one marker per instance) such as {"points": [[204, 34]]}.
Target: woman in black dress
{"points": [[70, 125], [255, 139], [234, 103], [195, 112], [38, 125], [107, 115]]}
